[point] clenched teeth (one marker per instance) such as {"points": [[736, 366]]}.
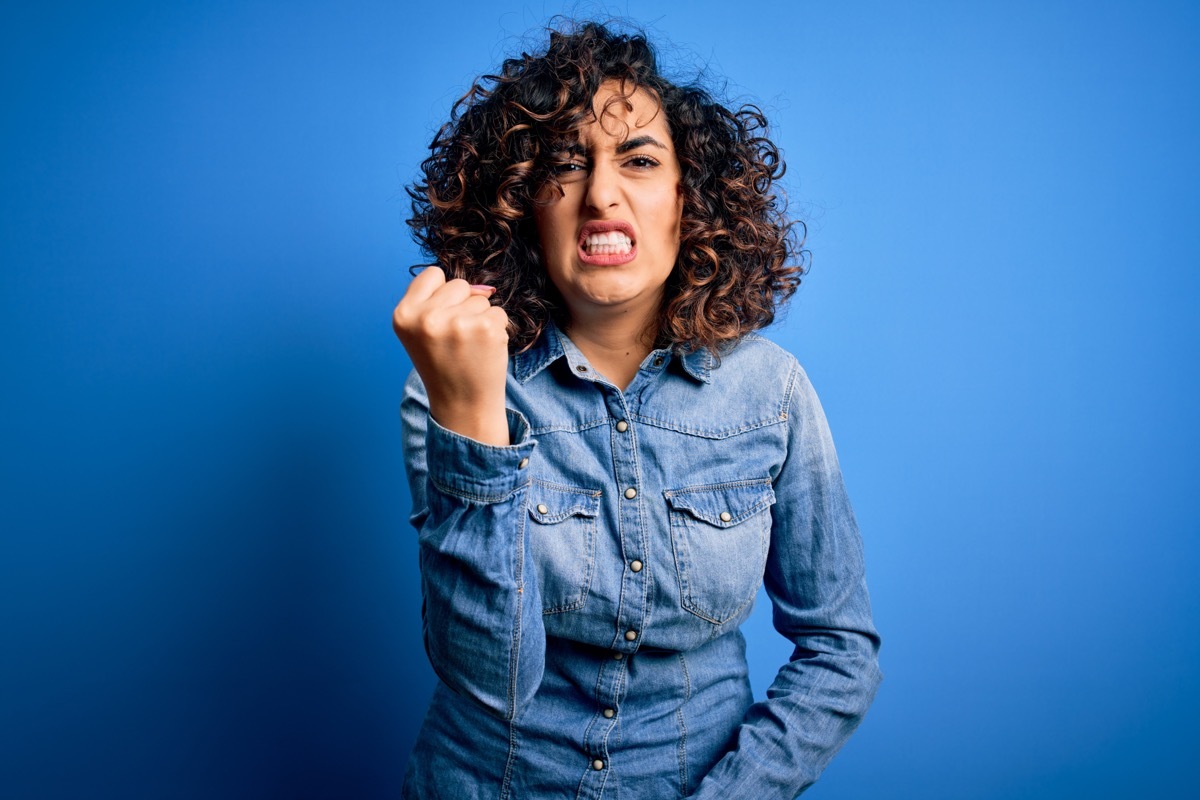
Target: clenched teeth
{"points": [[609, 243]]}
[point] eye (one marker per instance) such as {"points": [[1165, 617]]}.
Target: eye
{"points": [[642, 162], [567, 169]]}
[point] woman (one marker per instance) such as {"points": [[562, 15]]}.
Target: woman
{"points": [[605, 461]]}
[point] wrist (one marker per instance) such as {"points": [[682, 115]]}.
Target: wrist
{"points": [[486, 423]]}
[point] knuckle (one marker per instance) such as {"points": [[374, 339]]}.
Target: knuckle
{"points": [[428, 326]]}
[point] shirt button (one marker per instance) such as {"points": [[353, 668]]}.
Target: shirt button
{"points": [[609, 713], [542, 508], [630, 635], [630, 493], [618, 656], [658, 361], [622, 426], [582, 368], [597, 764], [726, 516], [635, 565], [524, 463]]}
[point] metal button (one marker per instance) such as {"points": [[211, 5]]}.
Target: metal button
{"points": [[622, 426], [726, 516], [597, 764], [630, 493], [582, 368], [635, 565], [618, 656], [542, 508], [524, 463], [658, 361], [630, 635], [609, 713]]}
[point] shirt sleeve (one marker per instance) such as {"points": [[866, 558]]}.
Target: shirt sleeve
{"points": [[482, 619], [816, 581]]}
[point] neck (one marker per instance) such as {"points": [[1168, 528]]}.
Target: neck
{"points": [[615, 346]]}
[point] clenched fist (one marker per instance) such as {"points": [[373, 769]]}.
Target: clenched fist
{"points": [[458, 343]]}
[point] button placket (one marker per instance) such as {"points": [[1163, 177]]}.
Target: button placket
{"points": [[631, 612]]}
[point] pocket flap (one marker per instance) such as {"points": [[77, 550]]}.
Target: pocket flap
{"points": [[549, 504], [723, 504]]}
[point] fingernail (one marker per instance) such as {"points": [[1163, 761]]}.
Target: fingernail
{"points": [[483, 287]]}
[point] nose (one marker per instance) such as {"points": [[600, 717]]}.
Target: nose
{"points": [[603, 189]]}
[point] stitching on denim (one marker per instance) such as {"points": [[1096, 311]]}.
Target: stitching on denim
{"points": [[619, 694], [793, 380], [687, 695], [589, 522], [464, 494], [506, 784], [586, 587], [586, 425], [679, 542], [723, 433], [708, 487], [562, 487], [514, 657], [598, 694], [514, 660], [689, 605], [734, 521]]}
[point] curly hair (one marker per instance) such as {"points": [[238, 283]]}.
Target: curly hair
{"points": [[740, 256]]}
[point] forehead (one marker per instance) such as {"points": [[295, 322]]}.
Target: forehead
{"points": [[620, 111]]}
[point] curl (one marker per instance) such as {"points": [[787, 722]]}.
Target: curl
{"points": [[740, 255]]}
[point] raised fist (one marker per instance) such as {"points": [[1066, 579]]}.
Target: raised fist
{"points": [[458, 343]]}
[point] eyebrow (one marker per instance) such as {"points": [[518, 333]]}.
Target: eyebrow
{"points": [[638, 141], [575, 148]]}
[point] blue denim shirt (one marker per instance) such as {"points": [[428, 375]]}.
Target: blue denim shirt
{"points": [[583, 587]]}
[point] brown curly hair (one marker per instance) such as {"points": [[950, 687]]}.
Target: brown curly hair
{"points": [[739, 253]]}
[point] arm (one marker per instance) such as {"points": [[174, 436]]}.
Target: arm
{"points": [[482, 614], [815, 579], [467, 459]]}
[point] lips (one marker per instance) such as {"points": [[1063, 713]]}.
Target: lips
{"points": [[607, 243]]}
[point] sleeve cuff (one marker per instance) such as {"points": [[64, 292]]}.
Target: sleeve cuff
{"points": [[483, 473]]}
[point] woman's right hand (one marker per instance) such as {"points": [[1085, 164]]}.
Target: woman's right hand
{"points": [[458, 343]]}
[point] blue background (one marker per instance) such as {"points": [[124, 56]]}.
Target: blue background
{"points": [[208, 582]]}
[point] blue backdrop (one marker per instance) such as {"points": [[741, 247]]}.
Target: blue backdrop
{"points": [[208, 582]]}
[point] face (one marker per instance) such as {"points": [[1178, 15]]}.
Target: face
{"points": [[610, 241]]}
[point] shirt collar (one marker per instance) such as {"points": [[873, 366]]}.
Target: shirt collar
{"points": [[553, 344]]}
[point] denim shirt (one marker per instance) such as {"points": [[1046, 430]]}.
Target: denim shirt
{"points": [[583, 587]]}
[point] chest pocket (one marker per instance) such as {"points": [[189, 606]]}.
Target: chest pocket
{"points": [[562, 541], [720, 534]]}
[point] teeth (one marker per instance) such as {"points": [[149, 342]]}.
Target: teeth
{"points": [[608, 243]]}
